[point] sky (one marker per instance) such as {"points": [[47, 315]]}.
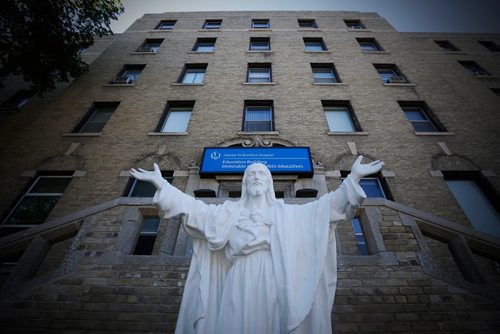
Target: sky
{"points": [[481, 16]]}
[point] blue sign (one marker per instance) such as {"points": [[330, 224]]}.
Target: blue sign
{"points": [[234, 160]]}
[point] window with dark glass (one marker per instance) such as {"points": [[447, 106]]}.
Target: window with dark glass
{"points": [[477, 198], [390, 73], [354, 24], [204, 45], [490, 45], [17, 101], [212, 24], [373, 185], [176, 117], [97, 117], [359, 236], [39, 199], [325, 73], [138, 188], [260, 44], [150, 45], [166, 25], [307, 24], [147, 236], [421, 117], [446, 46], [258, 116], [193, 74], [369, 44], [259, 73], [129, 74], [314, 44], [340, 116], [474, 68], [260, 24]]}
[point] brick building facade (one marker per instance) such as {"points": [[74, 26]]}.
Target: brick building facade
{"points": [[340, 83]]}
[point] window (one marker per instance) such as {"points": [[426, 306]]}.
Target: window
{"points": [[212, 24], [477, 199], [204, 45], [307, 24], [261, 24], [129, 74], [17, 101], [314, 44], [474, 68], [38, 201], [324, 73], [421, 117], [339, 116], [446, 46], [166, 25], [390, 73], [490, 45], [176, 116], [193, 74], [150, 45], [97, 117], [359, 236], [147, 236], [260, 44], [354, 24], [496, 91], [258, 116], [369, 44], [139, 188], [259, 73]]}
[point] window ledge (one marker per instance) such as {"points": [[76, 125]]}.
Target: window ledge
{"points": [[200, 52], [209, 29], [259, 51], [324, 51], [260, 29], [329, 84], [363, 30], [434, 133], [259, 83], [357, 133], [267, 133], [309, 29], [485, 76], [188, 84], [399, 84], [161, 30], [82, 134], [118, 85], [168, 133], [143, 53], [376, 52], [455, 53]]}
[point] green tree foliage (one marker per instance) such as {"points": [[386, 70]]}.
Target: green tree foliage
{"points": [[41, 40]]}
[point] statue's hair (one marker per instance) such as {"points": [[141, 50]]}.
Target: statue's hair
{"points": [[270, 196]]}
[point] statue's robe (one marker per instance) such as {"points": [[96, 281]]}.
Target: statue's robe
{"points": [[301, 255]]}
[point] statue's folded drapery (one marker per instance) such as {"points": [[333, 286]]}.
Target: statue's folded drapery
{"points": [[271, 271]]}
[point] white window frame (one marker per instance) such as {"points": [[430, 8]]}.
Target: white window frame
{"points": [[261, 24], [259, 74], [332, 126], [184, 124], [193, 76]]}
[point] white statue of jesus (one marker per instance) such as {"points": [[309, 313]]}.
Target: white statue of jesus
{"points": [[260, 266]]}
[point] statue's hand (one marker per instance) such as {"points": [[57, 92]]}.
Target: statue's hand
{"points": [[153, 176], [359, 170]]}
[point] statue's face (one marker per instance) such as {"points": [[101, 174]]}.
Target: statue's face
{"points": [[257, 180]]}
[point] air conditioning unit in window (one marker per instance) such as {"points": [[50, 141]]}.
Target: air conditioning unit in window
{"points": [[481, 74], [397, 79], [124, 81]]}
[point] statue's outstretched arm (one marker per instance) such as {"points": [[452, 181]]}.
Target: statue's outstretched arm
{"points": [[154, 177]]}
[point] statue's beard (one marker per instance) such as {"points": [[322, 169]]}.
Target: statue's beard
{"points": [[257, 190]]}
